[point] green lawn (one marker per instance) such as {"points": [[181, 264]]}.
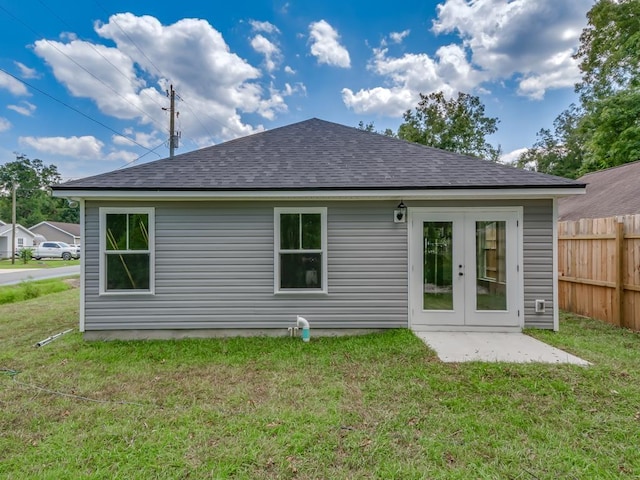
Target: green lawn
{"points": [[376, 406], [44, 263]]}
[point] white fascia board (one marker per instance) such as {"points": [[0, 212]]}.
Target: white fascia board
{"points": [[448, 194]]}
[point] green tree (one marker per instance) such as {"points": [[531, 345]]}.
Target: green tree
{"points": [[612, 127], [370, 127], [560, 152], [609, 57], [609, 50], [34, 202], [458, 125]]}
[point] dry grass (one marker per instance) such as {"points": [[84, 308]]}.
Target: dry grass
{"points": [[378, 406]]}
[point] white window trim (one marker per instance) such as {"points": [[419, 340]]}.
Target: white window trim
{"points": [[150, 211], [277, 211]]}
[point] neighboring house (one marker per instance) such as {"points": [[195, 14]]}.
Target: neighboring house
{"points": [[610, 192], [58, 231], [2, 223], [352, 230], [24, 238]]}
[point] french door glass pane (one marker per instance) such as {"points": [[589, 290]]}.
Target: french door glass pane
{"points": [[438, 265], [491, 265]]}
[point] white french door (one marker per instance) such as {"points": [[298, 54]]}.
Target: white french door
{"points": [[464, 268]]}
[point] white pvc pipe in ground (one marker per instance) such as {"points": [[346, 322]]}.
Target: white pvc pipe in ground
{"points": [[306, 333]]}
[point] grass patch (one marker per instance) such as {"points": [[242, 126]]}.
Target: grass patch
{"points": [[44, 263], [376, 406], [28, 290]]}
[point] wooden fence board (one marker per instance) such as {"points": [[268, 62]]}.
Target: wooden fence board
{"points": [[599, 268]]}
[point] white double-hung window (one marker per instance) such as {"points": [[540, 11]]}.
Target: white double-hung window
{"points": [[300, 249], [127, 250]]}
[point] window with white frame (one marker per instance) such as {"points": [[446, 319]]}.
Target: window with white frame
{"points": [[300, 249], [20, 241], [127, 250]]}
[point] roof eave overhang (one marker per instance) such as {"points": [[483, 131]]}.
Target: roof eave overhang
{"points": [[372, 194]]}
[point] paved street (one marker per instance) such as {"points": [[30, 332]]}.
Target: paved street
{"points": [[9, 277]]}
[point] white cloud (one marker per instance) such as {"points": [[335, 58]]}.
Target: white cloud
{"points": [[148, 140], [326, 47], [409, 76], [14, 86], [289, 70], [532, 40], [271, 52], [511, 157], [26, 72], [122, 156], [25, 108], [558, 71], [86, 147], [266, 27], [522, 40], [215, 84], [397, 37], [4, 124]]}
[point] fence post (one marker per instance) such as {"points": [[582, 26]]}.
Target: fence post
{"points": [[620, 264]]}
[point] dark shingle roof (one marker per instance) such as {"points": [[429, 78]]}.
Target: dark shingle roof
{"points": [[610, 192], [316, 155]]}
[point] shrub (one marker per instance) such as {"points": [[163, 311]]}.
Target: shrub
{"points": [[25, 254]]}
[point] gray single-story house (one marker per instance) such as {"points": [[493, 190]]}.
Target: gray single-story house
{"points": [[58, 231], [352, 230]]}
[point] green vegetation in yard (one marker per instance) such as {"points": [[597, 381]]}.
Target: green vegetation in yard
{"points": [[375, 406], [44, 263], [27, 290]]}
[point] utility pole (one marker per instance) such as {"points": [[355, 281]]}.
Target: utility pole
{"points": [[14, 187], [173, 136]]}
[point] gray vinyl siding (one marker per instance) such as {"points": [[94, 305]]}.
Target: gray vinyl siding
{"points": [[222, 275], [538, 263]]}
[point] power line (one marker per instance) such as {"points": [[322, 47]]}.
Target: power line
{"points": [[131, 40], [76, 110], [164, 76], [153, 150], [162, 128], [145, 56], [97, 51], [79, 65]]}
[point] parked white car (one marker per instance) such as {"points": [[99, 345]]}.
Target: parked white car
{"points": [[55, 250]]}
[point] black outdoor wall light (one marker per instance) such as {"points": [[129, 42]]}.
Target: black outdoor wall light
{"points": [[400, 213]]}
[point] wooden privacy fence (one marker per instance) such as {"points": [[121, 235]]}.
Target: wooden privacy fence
{"points": [[599, 268]]}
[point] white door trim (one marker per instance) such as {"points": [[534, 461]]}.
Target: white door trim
{"points": [[414, 263]]}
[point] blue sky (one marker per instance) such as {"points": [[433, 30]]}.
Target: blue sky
{"points": [[96, 72]]}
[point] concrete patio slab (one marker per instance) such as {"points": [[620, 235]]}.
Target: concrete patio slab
{"points": [[495, 347]]}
